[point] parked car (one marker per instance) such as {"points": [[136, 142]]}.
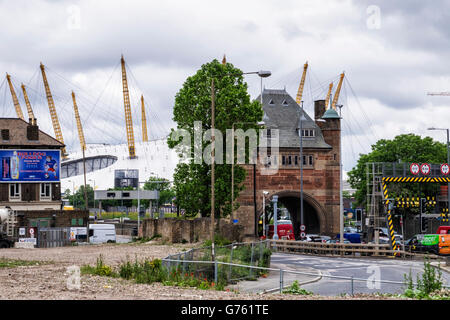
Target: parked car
{"points": [[423, 243]]}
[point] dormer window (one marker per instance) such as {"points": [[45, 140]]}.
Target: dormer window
{"points": [[271, 102], [285, 103], [308, 133]]}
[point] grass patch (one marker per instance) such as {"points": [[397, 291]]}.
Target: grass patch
{"points": [[11, 263]]}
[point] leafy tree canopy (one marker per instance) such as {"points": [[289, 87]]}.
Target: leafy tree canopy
{"points": [[232, 106]]}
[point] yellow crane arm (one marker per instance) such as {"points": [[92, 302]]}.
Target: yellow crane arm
{"points": [[327, 99], [302, 84], [338, 91], [51, 107], [144, 121], [128, 119], [14, 97], [27, 102], [79, 127]]}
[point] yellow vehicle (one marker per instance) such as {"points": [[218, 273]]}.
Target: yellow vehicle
{"points": [[444, 244], [68, 208]]}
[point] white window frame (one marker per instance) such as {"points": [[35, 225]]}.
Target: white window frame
{"points": [[42, 192], [311, 133], [17, 192]]}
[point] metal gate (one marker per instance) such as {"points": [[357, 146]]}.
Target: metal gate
{"points": [[53, 237]]}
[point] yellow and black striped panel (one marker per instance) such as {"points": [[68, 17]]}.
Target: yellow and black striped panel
{"points": [[416, 179], [391, 230]]}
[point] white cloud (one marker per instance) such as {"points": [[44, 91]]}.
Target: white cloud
{"points": [[390, 69]]}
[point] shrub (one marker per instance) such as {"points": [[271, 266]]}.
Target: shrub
{"points": [[295, 289], [427, 285]]}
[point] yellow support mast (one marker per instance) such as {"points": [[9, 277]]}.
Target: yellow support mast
{"points": [[14, 97], [128, 119], [144, 121], [77, 118], [51, 107], [302, 84], [27, 102], [327, 99], [338, 91]]}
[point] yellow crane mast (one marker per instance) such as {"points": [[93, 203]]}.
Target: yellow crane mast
{"points": [[51, 107], [27, 102], [77, 118], [338, 91], [327, 99], [14, 97], [128, 119], [144, 121], [302, 84]]}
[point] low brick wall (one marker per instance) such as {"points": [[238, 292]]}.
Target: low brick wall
{"points": [[176, 230], [58, 218]]}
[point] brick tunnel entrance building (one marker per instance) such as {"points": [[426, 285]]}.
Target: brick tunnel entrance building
{"points": [[321, 167]]}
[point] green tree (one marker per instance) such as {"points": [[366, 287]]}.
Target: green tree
{"points": [[192, 182], [405, 148], [166, 192], [77, 199]]}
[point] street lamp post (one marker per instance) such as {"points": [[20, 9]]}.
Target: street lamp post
{"points": [[301, 167], [264, 212], [448, 161], [275, 217], [262, 74]]}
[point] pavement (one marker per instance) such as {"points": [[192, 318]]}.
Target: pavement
{"points": [[441, 265], [271, 283]]}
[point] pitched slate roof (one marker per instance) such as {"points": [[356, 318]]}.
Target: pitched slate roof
{"points": [[283, 113], [18, 135]]}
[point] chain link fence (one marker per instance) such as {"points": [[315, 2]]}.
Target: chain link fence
{"points": [[251, 261]]}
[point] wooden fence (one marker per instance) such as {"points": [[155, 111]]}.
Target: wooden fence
{"points": [[338, 249]]}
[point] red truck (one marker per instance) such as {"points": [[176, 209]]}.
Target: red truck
{"points": [[284, 229]]}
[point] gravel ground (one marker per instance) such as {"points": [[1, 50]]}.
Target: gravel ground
{"points": [[48, 280]]}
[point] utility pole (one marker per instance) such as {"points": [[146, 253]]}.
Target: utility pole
{"points": [[302, 221], [86, 197], [213, 255]]}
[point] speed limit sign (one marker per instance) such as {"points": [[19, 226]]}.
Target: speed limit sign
{"points": [[425, 168], [302, 234], [445, 169], [302, 227], [414, 168]]}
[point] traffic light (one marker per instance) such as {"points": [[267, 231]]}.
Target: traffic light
{"points": [[424, 224], [423, 204]]}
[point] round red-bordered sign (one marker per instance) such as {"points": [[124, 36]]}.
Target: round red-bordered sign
{"points": [[425, 168], [414, 168], [445, 169]]}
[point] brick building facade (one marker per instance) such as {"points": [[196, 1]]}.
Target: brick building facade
{"points": [[17, 134], [321, 167]]}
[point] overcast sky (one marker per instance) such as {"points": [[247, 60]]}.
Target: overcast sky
{"points": [[392, 52]]}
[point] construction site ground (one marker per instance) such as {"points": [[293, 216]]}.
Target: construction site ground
{"points": [[48, 279]]}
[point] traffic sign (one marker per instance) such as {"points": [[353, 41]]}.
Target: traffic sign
{"points": [[445, 169], [425, 168], [414, 168], [349, 215], [302, 227], [302, 234], [31, 231]]}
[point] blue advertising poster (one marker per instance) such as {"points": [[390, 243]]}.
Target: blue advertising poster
{"points": [[29, 165]]}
